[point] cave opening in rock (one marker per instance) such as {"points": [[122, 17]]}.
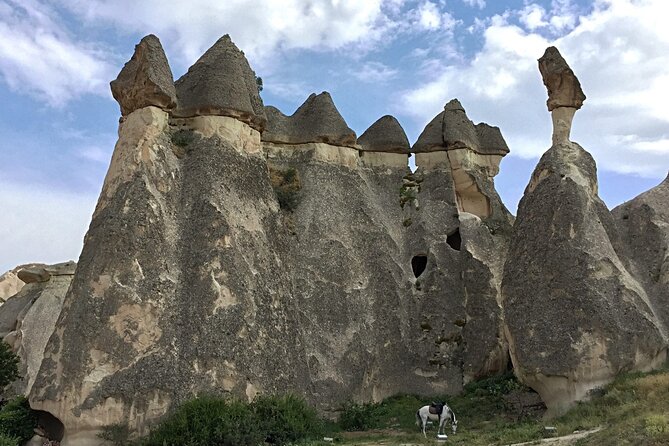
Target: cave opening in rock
{"points": [[454, 240], [418, 264], [52, 427]]}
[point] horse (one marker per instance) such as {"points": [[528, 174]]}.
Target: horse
{"points": [[436, 411]]}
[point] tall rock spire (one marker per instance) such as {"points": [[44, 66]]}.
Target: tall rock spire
{"points": [[565, 95]]}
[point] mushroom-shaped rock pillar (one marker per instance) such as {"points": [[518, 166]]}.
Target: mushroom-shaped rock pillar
{"points": [[564, 92]]}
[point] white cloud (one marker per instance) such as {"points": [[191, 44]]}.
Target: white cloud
{"points": [[532, 16], [374, 72], [620, 52], [38, 56], [42, 225], [260, 28], [478, 3], [428, 16]]}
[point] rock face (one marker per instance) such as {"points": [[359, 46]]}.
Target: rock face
{"points": [[317, 120], [385, 135], [10, 284], [644, 226], [28, 319], [221, 82], [576, 313], [146, 79]]}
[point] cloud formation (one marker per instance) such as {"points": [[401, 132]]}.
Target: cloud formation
{"points": [[40, 57], [620, 52]]}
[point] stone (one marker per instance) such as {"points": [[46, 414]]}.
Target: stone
{"points": [[146, 79], [564, 89], [10, 284], [385, 135], [453, 130], [34, 274], [576, 316], [221, 82], [317, 120]]}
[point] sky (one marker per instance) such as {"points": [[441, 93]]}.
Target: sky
{"points": [[58, 120]]}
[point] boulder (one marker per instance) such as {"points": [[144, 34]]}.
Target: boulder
{"points": [[564, 89], [221, 82], [317, 120], [385, 135], [146, 79], [10, 284]]}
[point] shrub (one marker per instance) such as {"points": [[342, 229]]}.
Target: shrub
{"points": [[657, 425], [286, 419], [286, 185], [17, 419], [6, 440], [117, 434], [360, 417], [181, 138], [208, 420], [9, 365]]}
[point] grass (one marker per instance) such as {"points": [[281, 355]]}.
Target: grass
{"points": [[633, 410]]}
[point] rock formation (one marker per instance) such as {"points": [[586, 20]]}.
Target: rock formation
{"points": [[221, 83], [575, 314], [195, 277], [10, 284], [564, 92], [28, 318], [385, 135], [237, 250], [315, 121], [146, 79]]}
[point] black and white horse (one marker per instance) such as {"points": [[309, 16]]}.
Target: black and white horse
{"points": [[436, 412]]}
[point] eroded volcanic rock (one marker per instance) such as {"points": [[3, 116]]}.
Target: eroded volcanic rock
{"points": [[221, 82], [575, 314], [564, 89], [385, 135], [317, 120], [644, 226], [146, 79], [452, 130]]}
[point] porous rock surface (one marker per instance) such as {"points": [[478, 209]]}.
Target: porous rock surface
{"points": [[317, 120], [221, 82], [385, 135], [644, 226], [146, 79]]}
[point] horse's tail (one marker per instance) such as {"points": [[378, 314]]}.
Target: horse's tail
{"points": [[418, 420]]}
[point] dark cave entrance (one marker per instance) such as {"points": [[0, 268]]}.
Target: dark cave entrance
{"points": [[52, 426], [418, 264], [454, 240]]}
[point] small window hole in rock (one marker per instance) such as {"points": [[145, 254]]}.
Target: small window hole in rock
{"points": [[454, 240], [418, 264]]}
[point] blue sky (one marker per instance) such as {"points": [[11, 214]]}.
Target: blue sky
{"points": [[408, 58]]}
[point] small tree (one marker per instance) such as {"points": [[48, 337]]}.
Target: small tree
{"points": [[9, 365], [259, 83]]}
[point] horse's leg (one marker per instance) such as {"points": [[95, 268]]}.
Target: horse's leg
{"points": [[424, 419], [441, 424]]}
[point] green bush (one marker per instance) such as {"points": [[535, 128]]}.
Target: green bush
{"points": [[286, 185], [205, 421], [17, 419], [360, 417], [9, 365], [117, 434], [6, 440], [286, 419]]}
